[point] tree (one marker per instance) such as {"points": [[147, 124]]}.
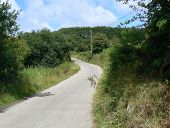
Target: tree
{"points": [[158, 42], [100, 41], [155, 16], [47, 49], [15, 51], [12, 50], [79, 37], [132, 37]]}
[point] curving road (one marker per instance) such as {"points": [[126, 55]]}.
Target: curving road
{"points": [[66, 105]]}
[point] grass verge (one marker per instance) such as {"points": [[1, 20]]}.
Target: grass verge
{"points": [[34, 80], [124, 100], [101, 59], [132, 104]]}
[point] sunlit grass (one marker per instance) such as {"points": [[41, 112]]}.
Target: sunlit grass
{"points": [[46, 77], [101, 59], [34, 80]]}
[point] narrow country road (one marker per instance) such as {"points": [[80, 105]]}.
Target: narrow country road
{"points": [[66, 105]]}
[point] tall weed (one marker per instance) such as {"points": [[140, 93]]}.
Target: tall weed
{"points": [[34, 80]]}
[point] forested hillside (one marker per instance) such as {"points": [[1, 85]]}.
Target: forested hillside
{"points": [[79, 37]]}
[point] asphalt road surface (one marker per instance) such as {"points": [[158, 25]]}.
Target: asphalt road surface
{"points": [[66, 105]]}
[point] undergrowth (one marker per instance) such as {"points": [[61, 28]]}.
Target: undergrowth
{"points": [[126, 100], [137, 104], [99, 59]]}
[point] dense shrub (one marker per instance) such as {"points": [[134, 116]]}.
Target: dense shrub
{"points": [[12, 50], [46, 48], [100, 42], [155, 17], [15, 51], [79, 37], [128, 51]]}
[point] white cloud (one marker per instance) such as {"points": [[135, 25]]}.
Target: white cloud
{"points": [[82, 14], [35, 16], [55, 14], [65, 13]]}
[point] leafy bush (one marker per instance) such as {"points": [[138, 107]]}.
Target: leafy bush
{"points": [[46, 48], [100, 42], [155, 17], [128, 51], [15, 51], [79, 37], [12, 50]]}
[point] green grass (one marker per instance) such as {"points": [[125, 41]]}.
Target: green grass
{"points": [[46, 77], [34, 80], [124, 100], [133, 104], [101, 59]]}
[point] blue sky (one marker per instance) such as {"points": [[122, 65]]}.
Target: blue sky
{"points": [[55, 14]]}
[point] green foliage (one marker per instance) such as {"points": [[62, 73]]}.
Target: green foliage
{"points": [[12, 50], [128, 51], [131, 93], [138, 104], [125, 97], [46, 48], [8, 21], [156, 17], [15, 51], [100, 42], [101, 59], [156, 47], [114, 41], [124, 100], [161, 23], [79, 37], [132, 37]]}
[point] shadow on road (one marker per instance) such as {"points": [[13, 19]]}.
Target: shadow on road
{"points": [[4, 109], [40, 95]]}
